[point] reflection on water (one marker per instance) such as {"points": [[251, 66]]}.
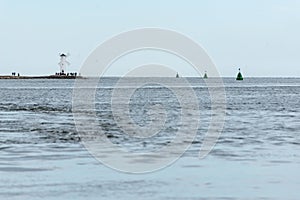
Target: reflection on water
{"points": [[256, 157]]}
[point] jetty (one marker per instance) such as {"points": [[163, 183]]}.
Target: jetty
{"points": [[59, 75], [40, 77]]}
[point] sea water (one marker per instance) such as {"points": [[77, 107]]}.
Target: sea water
{"points": [[256, 157]]}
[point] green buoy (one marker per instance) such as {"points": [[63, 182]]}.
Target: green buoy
{"points": [[239, 76], [205, 75], [177, 75]]}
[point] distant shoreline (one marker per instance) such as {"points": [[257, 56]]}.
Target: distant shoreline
{"points": [[133, 77], [40, 77]]}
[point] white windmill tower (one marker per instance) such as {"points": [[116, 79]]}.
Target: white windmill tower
{"points": [[63, 63]]}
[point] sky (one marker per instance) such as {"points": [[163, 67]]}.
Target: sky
{"points": [[262, 37]]}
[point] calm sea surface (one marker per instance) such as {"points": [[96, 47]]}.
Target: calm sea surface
{"points": [[256, 157]]}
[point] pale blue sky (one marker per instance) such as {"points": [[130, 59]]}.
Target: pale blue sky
{"points": [[260, 36]]}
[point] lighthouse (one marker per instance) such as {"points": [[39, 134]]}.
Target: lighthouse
{"points": [[63, 63]]}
